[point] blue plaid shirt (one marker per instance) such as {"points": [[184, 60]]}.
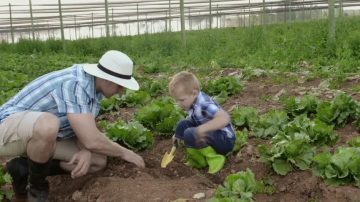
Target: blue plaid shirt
{"points": [[70, 90], [204, 109]]}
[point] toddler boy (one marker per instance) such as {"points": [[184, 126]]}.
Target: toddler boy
{"points": [[207, 132]]}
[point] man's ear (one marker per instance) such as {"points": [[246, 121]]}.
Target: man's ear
{"points": [[195, 92]]}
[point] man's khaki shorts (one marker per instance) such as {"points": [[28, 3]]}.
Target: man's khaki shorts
{"points": [[17, 130]]}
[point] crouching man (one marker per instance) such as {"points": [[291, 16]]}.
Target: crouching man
{"points": [[49, 126]]}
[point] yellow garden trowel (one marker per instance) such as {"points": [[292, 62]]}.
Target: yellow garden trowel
{"points": [[168, 157]]}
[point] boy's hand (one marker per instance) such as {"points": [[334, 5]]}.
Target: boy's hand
{"points": [[201, 137], [175, 140]]}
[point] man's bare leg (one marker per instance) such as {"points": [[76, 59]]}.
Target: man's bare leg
{"points": [[40, 150]]}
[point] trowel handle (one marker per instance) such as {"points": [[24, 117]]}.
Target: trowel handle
{"points": [[175, 142], [173, 149]]}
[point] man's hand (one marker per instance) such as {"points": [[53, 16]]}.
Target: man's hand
{"points": [[134, 158], [93, 140], [81, 160]]}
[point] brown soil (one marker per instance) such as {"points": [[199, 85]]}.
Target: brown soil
{"points": [[122, 181]]}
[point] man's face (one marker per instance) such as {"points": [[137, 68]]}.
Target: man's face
{"points": [[111, 89]]}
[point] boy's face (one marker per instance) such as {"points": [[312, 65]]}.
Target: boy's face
{"points": [[185, 99]]}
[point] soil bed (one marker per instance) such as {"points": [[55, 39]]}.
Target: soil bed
{"points": [[122, 181]]}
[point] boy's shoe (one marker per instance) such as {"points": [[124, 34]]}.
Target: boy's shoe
{"points": [[216, 161], [195, 158], [19, 172]]}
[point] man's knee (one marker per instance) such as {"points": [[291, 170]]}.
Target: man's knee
{"points": [[47, 127]]}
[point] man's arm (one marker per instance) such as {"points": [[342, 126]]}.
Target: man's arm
{"points": [[89, 135]]}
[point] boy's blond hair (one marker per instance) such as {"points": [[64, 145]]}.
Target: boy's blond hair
{"points": [[186, 80]]}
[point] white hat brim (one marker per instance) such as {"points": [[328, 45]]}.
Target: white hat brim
{"points": [[92, 69]]}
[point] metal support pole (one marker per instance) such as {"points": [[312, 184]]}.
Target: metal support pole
{"points": [[210, 15], [107, 19], [75, 27], [285, 6], [341, 8], [146, 24], [48, 30], [303, 10], [11, 25], [332, 23], [151, 27], [129, 26], [290, 17], [61, 21], [263, 13], [249, 12], [112, 22], [200, 21], [169, 15], [182, 18], [32, 20], [137, 19], [92, 24], [189, 18], [166, 22], [217, 16]]}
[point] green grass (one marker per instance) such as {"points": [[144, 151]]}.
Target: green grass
{"points": [[356, 88], [281, 47]]}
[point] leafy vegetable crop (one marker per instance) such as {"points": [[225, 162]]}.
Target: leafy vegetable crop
{"points": [[129, 99], [241, 140], [133, 135], [245, 117], [339, 111], [161, 116], [270, 123], [305, 105], [343, 167], [292, 146], [240, 187], [231, 85], [5, 178]]}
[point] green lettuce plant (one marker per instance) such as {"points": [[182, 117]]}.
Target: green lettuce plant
{"points": [[240, 187], [160, 116], [133, 135], [339, 111], [340, 168], [5, 179], [245, 117]]}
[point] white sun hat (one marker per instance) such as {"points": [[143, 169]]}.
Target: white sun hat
{"points": [[116, 67]]}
